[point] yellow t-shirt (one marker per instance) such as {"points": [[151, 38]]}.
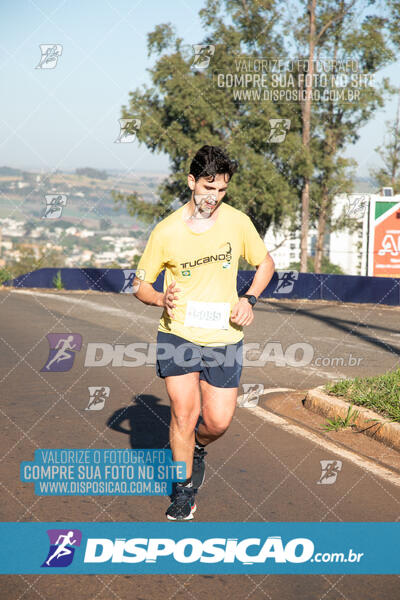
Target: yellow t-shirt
{"points": [[204, 266]]}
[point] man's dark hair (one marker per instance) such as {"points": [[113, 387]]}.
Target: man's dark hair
{"points": [[210, 161]]}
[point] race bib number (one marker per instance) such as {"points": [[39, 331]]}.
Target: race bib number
{"points": [[210, 315]]}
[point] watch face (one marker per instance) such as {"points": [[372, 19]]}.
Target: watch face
{"points": [[251, 299]]}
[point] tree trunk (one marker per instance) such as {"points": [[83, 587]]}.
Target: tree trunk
{"points": [[319, 250], [331, 143], [306, 123]]}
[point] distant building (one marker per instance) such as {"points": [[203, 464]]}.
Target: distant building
{"points": [[105, 258], [37, 232], [284, 244], [346, 247], [85, 233], [12, 228]]}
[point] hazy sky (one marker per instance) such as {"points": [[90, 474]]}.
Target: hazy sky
{"points": [[67, 117]]}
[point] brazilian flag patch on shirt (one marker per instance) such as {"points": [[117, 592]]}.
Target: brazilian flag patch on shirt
{"points": [[186, 273]]}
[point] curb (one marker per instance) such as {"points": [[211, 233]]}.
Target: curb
{"points": [[368, 422]]}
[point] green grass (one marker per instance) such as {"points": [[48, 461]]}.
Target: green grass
{"points": [[340, 422], [380, 393]]}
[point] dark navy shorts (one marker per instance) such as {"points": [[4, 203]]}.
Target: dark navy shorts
{"points": [[220, 366]]}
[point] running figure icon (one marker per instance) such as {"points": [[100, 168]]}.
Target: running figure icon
{"points": [[62, 549], [62, 346]]}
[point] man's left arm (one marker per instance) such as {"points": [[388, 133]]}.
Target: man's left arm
{"points": [[242, 312]]}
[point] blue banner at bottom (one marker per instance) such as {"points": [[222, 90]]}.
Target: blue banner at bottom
{"points": [[204, 548]]}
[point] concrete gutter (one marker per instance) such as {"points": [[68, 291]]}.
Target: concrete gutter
{"points": [[367, 421]]}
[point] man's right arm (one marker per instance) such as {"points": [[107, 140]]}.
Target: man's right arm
{"points": [[150, 264], [147, 294]]}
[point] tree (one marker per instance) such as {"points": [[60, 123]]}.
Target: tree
{"points": [[338, 29], [388, 175], [306, 134], [327, 266], [341, 119], [29, 226], [28, 261], [5, 274], [135, 261], [187, 108], [105, 223]]}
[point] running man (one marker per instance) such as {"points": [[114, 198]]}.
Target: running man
{"points": [[63, 345], [62, 549], [129, 282], [199, 246], [98, 396], [54, 205]]}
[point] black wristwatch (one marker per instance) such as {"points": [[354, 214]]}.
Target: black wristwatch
{"points": [[251, 299]]}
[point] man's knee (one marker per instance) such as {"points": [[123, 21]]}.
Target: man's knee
{"points": [[216, 428], [184, 420]]}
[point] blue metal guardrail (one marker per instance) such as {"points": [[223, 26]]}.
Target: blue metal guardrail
{"points": [[284, 284]]}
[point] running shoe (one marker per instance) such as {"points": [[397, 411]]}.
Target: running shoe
{"points": [[198, 468], [183, 504]]}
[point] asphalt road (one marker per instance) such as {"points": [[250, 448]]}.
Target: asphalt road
{"points": [[259, 471]]}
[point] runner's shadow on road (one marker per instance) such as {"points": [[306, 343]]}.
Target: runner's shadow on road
{"points": [[147, 422]]}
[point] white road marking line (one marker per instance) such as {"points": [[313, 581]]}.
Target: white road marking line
{"points": [[326, 444], [321, 373], [110, 310]]}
